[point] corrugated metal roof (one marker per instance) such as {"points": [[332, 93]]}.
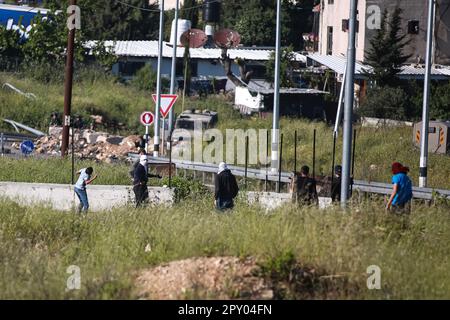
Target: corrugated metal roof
{"points": [[150, 49], [415, 71], [337, 63]]}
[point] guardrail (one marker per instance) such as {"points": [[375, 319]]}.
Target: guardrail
{"points": [[260, 174]]}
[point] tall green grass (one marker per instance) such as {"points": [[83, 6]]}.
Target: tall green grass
{"points": [[37, 246]]}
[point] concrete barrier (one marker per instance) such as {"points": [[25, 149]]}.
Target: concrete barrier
{"points": [[273, 200], [62, 197]]}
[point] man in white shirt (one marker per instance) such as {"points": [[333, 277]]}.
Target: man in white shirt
{"points": [[84, 179]]}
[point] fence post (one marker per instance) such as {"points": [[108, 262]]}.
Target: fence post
{"points": [[246, 161], [295, 151], [267, 157], [333, 162], [353, 162], [170, 161], [2, 144], [279, 164], [314, 156]]}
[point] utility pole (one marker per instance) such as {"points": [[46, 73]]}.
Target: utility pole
{"points": [[348, 106], [68, 87], [158, 82], [276, 94], [426, 97], [174, 66]]}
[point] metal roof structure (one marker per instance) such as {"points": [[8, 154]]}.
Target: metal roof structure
{"points": [[150, 49], [337, 64]]}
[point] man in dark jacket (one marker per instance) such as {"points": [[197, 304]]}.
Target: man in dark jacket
{"points": [[140, 180], [226, 188], [336, 185], [304, 188]]}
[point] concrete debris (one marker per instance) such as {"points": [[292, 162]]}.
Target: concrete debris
{"points": [[89, 144]]}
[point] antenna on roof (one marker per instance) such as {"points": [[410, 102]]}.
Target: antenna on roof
{"points": [[193, 38], [227, 38]]}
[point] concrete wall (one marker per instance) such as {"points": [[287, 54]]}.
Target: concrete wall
{"points": [[62, 197], [272, 200]]}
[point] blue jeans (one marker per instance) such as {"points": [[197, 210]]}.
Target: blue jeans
{"points": [[82, 196], [223, 204]]}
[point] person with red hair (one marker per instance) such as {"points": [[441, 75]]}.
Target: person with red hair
{"points": [[401, 196]]}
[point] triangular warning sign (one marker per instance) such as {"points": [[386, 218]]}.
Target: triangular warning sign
{"points": [[167, 102]]}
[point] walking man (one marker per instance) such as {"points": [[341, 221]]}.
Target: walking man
{"points": [[85, 178], [226, 188], [140, 180], [400, 200]]}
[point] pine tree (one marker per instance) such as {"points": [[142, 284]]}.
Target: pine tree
{"points": [[190, 11], [385, 55]]}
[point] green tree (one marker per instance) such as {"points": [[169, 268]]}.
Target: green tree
{"points": [[440, 102], [255, 20], [113, 20], [385, 55], [286, 67], [190, 11], [386, 103], [10, 49]]}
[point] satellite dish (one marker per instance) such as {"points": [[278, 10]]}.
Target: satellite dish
{"points": [[193, 38], [227, 38]]}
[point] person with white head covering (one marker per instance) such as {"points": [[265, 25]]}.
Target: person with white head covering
{"points": [[226, 188], [140, 180]]}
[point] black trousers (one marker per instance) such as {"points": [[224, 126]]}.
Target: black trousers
{"points": [[141, 194]]}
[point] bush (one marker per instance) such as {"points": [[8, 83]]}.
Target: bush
{"points": [[385, 102], [146, 78]]}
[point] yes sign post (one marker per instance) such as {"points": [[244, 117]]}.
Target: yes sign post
{"points": [[167, 103], [147, 118]]}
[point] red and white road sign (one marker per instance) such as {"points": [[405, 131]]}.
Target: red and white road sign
{"points": [[147, 118], [167, 102]]}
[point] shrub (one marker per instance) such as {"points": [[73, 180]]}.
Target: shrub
{"points": [[385, 102]]}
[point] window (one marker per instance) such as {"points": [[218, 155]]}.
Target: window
{"points": [[330, 41], [330, 1], [346, 25], [413, 27]]}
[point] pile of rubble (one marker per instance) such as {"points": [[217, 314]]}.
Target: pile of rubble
{"points": [[89, 144]]}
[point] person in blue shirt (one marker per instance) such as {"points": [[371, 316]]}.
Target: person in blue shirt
{"points": [[84, 179], [401, 196]]}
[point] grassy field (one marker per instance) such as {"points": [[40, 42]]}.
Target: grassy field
{"points": [[376, 149], [38, 245]]}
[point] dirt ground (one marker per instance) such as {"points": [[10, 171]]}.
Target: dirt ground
{"points": [[204, 278]]}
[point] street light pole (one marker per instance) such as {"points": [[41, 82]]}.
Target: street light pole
{"points": [[426, 97], [68, 88], [348, 106], [174, 66], [276, 94], [158, 82]]}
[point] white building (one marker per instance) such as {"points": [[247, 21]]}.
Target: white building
{"points": [[333, 31]]}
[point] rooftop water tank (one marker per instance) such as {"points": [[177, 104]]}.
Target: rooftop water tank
{"points": [[183, 26], [211, 11]]}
